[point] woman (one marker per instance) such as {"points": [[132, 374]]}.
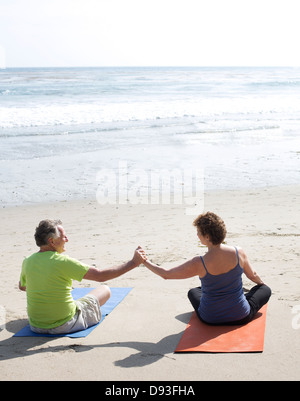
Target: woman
{"points": [[220, 300]]}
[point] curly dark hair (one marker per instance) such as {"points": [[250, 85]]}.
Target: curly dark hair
{"points": [[45, 230], [212, 225]]}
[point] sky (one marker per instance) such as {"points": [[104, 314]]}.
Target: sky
{"points": [[66, 33]]}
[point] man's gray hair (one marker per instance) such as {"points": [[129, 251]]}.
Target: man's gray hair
{"points": [[45, 230]]}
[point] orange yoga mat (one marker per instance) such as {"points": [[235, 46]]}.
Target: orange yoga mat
{"points": [[201, 337]]}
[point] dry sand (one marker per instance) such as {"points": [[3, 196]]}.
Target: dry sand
{"points": [[137, 340]]}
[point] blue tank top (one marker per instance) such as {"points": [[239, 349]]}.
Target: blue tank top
{"points": [[222, 298]]}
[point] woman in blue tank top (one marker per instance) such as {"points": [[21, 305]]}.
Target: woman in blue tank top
{"points": [[220, 299]]}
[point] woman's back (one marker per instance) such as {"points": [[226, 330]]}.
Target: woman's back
{"points": [[222, 299], [220, 261]]}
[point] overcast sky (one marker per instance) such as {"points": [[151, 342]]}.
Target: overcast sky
{"points": [[38, 33]]}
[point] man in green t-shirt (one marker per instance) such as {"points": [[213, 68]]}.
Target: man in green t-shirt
{"points": [[47, 276]]}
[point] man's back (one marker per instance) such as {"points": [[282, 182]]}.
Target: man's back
{"points": [[48, 279]]}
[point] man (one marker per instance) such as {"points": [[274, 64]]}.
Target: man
{"points": [[47, 278]]}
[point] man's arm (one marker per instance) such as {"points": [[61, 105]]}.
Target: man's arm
{"points": [[113, 272]]}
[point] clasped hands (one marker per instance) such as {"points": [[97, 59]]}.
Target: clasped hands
{"points": [[139, 256]]}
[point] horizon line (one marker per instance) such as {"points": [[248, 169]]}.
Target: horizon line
{"points": [[154, 66]]}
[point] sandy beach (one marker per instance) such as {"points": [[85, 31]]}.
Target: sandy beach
{"points": [[137, 340]]}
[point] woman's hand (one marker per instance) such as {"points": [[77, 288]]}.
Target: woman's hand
{"points": [[139, 256]]}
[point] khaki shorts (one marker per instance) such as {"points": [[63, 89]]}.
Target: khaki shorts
{"points": [[88, 314]]}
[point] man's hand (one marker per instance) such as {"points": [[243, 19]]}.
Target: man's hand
{"points": [[139, 256]]}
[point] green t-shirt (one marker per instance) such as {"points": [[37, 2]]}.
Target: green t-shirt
{"points": [[48, 279]]}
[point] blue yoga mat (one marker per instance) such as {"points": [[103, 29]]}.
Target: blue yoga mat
{"points": [[117, 295]]}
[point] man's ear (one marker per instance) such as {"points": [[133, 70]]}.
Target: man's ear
{"points": [[50, 241]]}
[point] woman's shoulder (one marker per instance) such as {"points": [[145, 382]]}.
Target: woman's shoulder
{"points": [[230, 249], [240, 251], [242, 256], [234, 248], [196, 259]]}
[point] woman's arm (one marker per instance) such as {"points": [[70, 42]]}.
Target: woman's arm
{"points": [[248, 270], [185, 270]]}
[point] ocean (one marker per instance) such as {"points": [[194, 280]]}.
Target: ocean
{"points": [[74, 133]]}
